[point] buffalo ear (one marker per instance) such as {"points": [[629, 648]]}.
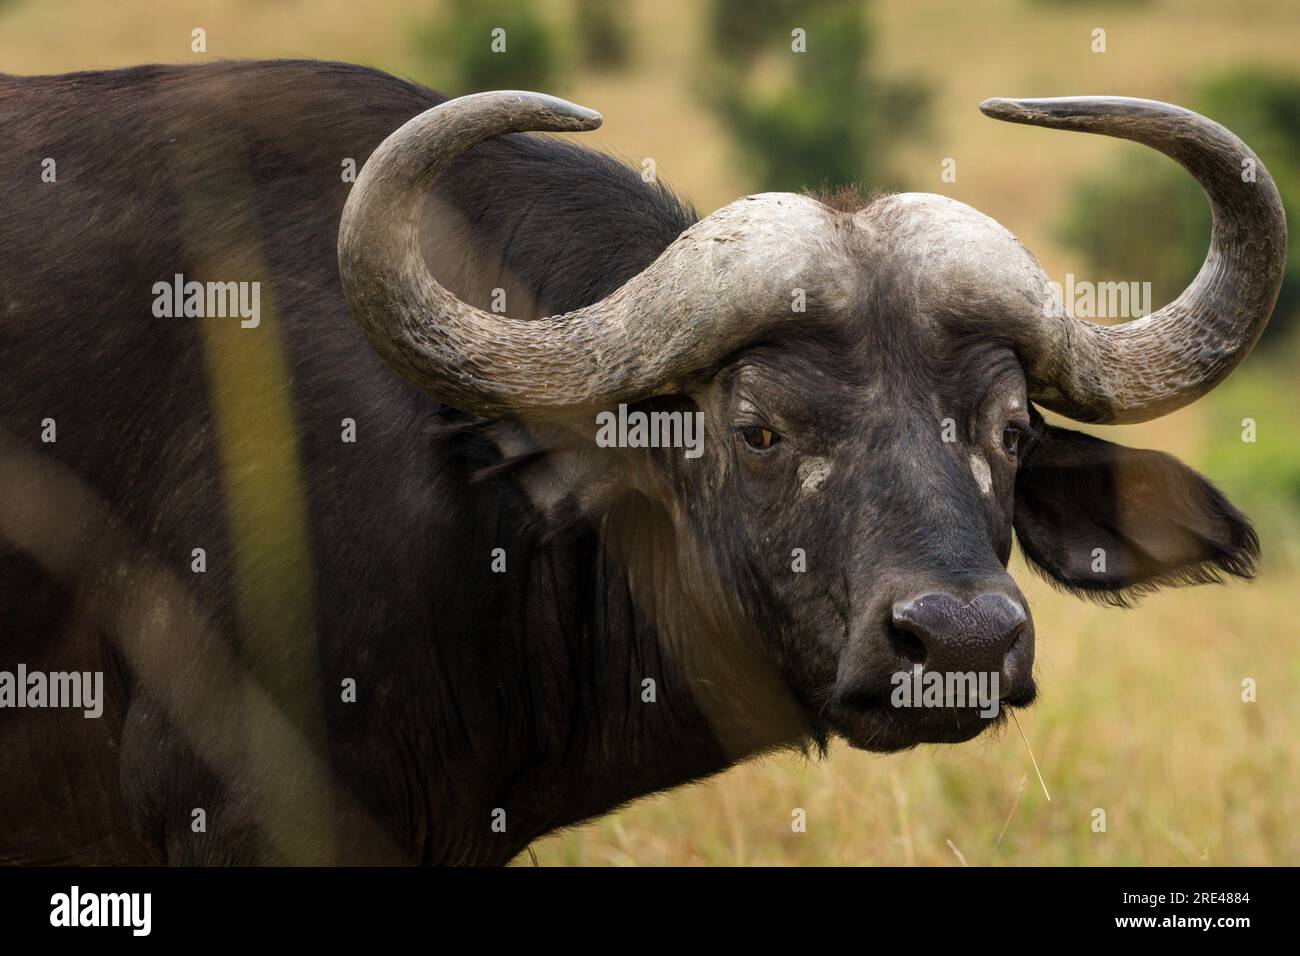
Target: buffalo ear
{"points": [[1112, 523]]}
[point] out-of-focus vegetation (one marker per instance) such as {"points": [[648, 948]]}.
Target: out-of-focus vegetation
{"points": [[1140, 712], [603, 34], [1089, 4], [1255, 451], [794, 83], [1146, 219], [473, 45], [476, 45]]}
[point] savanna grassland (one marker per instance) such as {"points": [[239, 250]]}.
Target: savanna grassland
{"points": [[1140, 712]]}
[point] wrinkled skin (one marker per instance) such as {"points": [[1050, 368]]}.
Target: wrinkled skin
{"points": [[898, 450], [883, 508]]}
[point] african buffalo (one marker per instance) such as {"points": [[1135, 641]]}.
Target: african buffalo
{"points": [[308, 469]]}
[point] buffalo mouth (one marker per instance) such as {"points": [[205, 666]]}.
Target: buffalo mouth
{"points": [[875, 723]]}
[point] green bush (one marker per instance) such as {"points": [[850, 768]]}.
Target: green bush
{"points": [[1262, 476], [460, 48], [832, 121], [602, 36]]}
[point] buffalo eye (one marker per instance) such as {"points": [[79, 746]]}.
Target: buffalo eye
{"points": [[1010, 440], [759, 438]]}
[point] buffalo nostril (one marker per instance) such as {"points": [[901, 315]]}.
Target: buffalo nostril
{"points": [[906, 644], [954, 635], [918, 625]]}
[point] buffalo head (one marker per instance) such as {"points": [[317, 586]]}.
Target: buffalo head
{"points": [[867, 383]]}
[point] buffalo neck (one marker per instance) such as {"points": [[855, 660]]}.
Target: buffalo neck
{"points": [[612, 674]]}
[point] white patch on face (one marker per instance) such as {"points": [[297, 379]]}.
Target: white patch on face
{"points": [[983, 477], [812, 472]]}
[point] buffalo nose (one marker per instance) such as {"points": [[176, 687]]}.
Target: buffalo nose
{"points": [[948, 634]]}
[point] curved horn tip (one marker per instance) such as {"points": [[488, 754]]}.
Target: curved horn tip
{"points": [[1005, 108], [566, 115], [995, 106], [1227, 304]]}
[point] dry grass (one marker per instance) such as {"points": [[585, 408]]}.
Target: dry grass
{"points": [[1140, 713]]}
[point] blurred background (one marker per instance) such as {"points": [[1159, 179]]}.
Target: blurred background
{"points": [[1141, 713]]}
